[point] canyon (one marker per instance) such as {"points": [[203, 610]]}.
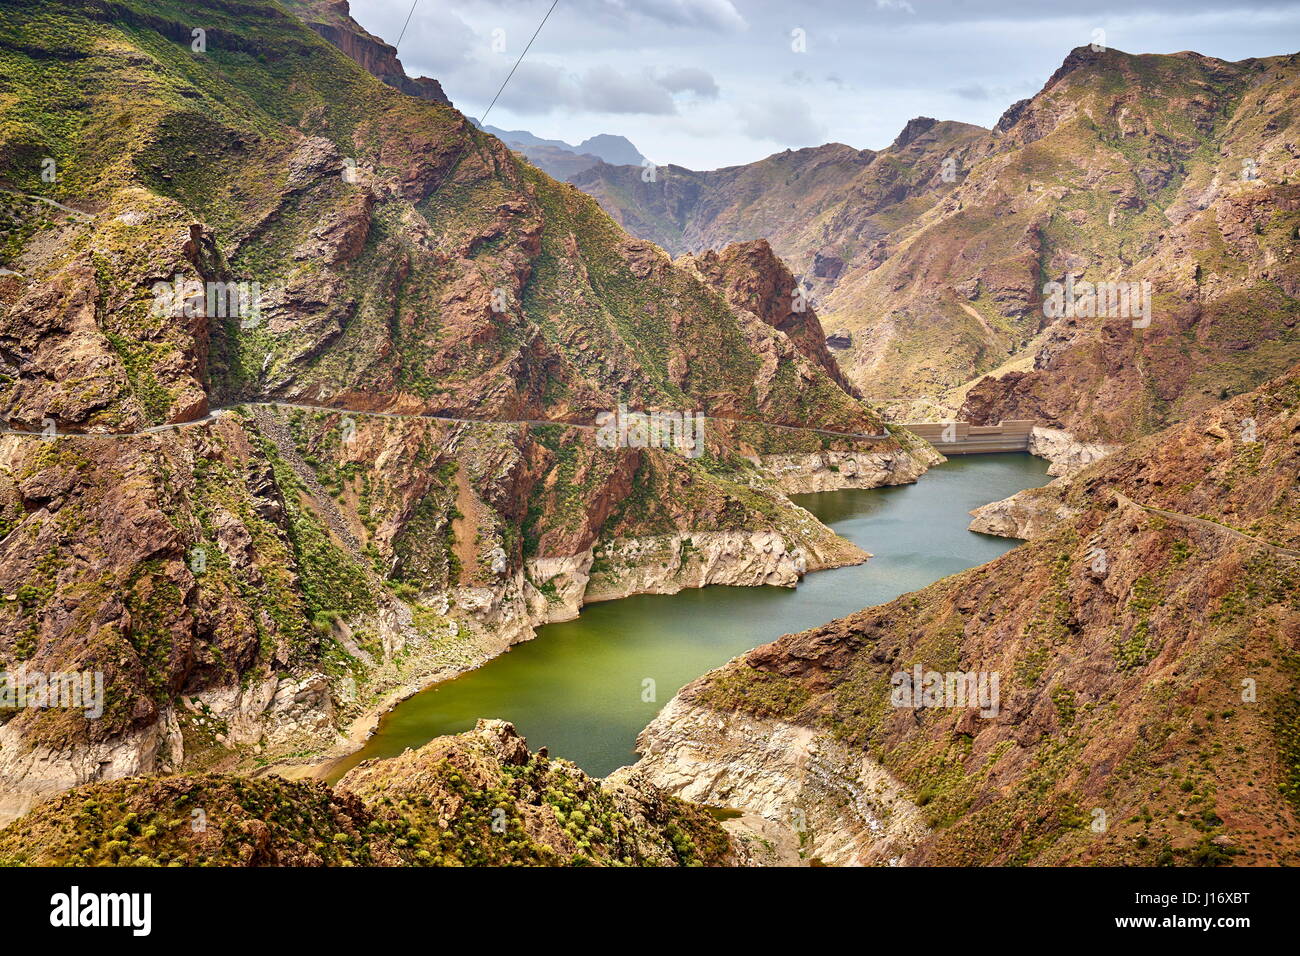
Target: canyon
{"points": [[403, 481], [266, 528], [1148, 631]]}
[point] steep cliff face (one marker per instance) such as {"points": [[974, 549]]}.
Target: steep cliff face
{"points": [[332, 19], [755, 282], [299, 282], [1145, 646], [476, 799]]}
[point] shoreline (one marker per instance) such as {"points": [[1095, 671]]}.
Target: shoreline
{"points": [[363, 727]]}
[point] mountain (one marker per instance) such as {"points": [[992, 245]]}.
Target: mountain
{"points": [[1179, 170], [560, 160], [557, 162], [478, 798], [1199, 195], [838, 193], [611, 149], [303, 379], [332, 19], [1143, 644]]}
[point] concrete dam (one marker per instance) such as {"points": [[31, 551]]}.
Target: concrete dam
{"points": [[963, 438]]}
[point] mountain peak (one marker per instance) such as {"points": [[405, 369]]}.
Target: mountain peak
{"points": [[915, 127], [615, 150]]}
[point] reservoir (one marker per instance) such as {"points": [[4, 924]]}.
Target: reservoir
{"points": [[585, 688]]}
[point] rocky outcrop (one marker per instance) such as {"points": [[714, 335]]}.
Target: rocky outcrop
{"points": [[475, 799], [753, 280], [332, 19], [1036, 511], [1022, 516], [1067, 455], [836, 470], [33, 774], [667, 564], [809, 790]]}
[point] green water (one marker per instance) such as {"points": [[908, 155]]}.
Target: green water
{"points": [[578, 687]]}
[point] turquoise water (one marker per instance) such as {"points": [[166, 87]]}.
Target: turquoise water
{"points": [[581, 687]]}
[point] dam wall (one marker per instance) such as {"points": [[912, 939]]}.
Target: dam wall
{"points": [[963, 438]]}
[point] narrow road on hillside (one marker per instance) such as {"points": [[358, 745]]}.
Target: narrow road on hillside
{"points": [[216, 413], [1289, 553], [74, 213]]}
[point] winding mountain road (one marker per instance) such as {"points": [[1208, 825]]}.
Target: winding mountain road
{"points": [[1193, 521], [217, 413]]}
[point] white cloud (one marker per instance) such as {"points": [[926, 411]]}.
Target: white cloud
{"points": [[707, 83], [714, 14], [604, 90], [690, 79]]}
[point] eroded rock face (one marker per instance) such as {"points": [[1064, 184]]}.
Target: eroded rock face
{"points": [[1023, 515], [835, 471], [752, 279], [332, 19], [1067, 455], [1036, 511], [667, 564], [34, 773], [807, 790]]}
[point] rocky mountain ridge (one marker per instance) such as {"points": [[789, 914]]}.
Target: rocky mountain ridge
{"points": [[332, 19], [476, 799]]}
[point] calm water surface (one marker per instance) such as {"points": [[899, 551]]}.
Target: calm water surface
{"points": [[578, 687]]}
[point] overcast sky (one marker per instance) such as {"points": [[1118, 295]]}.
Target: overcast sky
{"points": [[709, 83]]}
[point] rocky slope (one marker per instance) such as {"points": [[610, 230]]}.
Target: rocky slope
{"points": [[1183, 175], [931, 257], [332, 19], [252, 583], [476, 799], [823, 208], [1145, 643]]}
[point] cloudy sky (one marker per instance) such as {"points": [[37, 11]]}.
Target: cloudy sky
{"points": [[709, 83]]}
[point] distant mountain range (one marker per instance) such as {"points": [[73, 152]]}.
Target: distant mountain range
{"points": [[561, 160]]}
